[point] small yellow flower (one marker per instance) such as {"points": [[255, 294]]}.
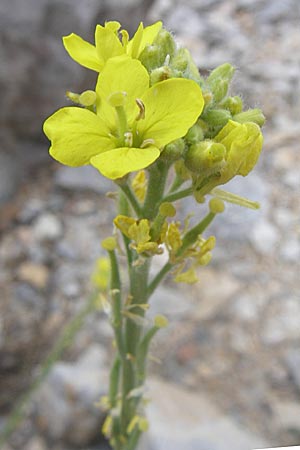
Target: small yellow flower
{"points": [[132, 124], [107, 44]]}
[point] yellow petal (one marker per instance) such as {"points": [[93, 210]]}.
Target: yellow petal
{"points": [[121, 74], [107, 42], [82, 52], [76, 135], [171, 108], [120, 161]]}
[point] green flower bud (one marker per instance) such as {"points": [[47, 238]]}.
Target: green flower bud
{"points": [[183, 62], [219, 80], [151, 57], [195, 134], [166, 43], [216, 117], [252, 115], [161, 74], [154, 56], [233, 104], [173, 151], [205, 157]]}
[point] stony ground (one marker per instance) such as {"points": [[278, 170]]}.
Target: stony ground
{"points": [[235, 335]]}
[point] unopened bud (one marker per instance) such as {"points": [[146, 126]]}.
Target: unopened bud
{"points": [[165, 41], [160, 74], [183, 62], [219, 81], [233, 104], [206, 156], [216, 117], [252, 115], [173, 151], [154, 56], [205, 259], [194, 135]]}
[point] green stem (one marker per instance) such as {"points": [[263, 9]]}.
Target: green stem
{"points": [[116, 299], [132, 199], [142, 353], [178, 195], [138, 292], [156, 186], [178, 181]]}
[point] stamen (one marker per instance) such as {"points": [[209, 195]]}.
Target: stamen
{"points": [[128, 139], [147, 142], [141, 114]]}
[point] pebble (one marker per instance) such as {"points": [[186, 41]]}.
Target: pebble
{"points": [[47, 227], [283, 323], [287, 415], [290, 251], [65, 404], [265, 237], [81, 179], [292, 360], [34, 274], [187, 420]]}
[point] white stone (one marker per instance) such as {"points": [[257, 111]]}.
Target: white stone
{"points": [[265, 237], [181, 419], [47, 228]]}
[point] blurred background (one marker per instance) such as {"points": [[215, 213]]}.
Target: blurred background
{"points": [[229, 369]]}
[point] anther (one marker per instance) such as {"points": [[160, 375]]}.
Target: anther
{"points": [[141, 106]]}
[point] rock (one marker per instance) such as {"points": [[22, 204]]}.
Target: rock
{"points": [[290, 250], [180, 419], [293, 363], [212, 292], [248, 306], [65, 403], [9, 176], [47, 228], [265, 237], [171, 302], [82, 179], [36, 443], [283, 323], [34, 274], [287, 415]]}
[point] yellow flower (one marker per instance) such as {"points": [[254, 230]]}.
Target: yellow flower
{"points": [[132, 124], [108, 44]]}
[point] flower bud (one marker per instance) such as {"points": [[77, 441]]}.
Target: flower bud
{"points": [[161, 74], [194, 135], [252, 115], [219, 80], [206, 157], [183, 62], [216, 117], [154, 56], [174, 150], [233, 104]]}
